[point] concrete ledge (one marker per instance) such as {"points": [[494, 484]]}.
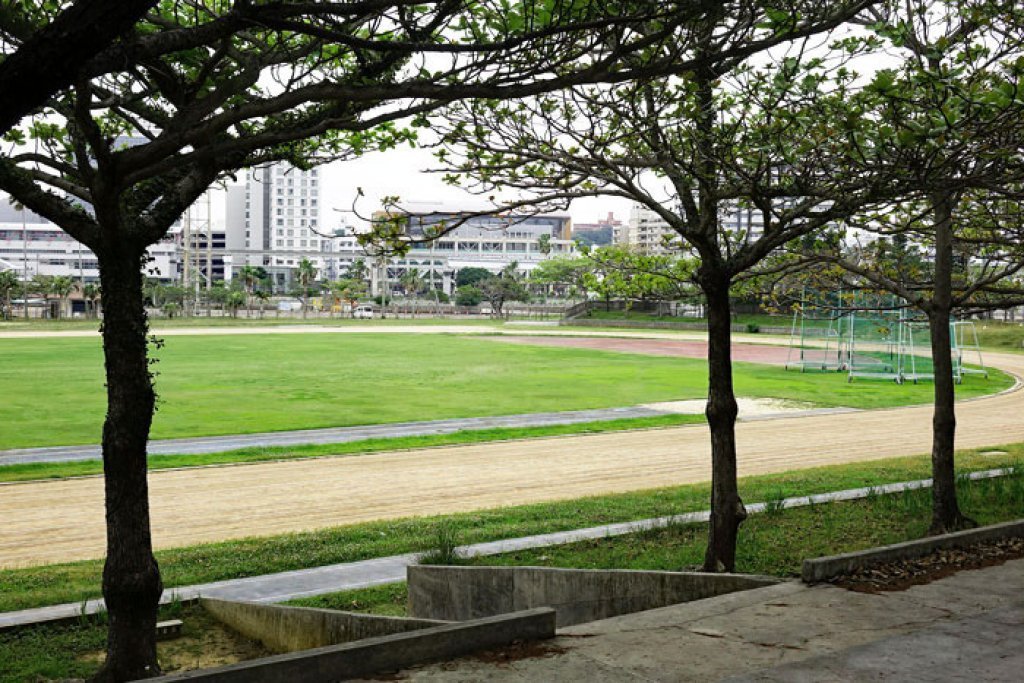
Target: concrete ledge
{"points": [[290, 629], [577, 595], [824, 568], [387, 653]]}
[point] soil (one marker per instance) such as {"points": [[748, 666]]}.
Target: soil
{"points": [[901, 575], [205, 642]]}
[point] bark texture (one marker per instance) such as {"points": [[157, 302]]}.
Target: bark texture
{"points": [[946, 515], [727, 510], [131, 577]]}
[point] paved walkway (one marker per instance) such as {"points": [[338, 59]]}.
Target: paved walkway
{"points": [[966, 627]]}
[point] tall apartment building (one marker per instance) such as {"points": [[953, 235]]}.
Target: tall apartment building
{"points": [[647, 232], [282, 222]]}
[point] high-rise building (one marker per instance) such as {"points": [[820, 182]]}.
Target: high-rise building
{"points": [[649, 233], [282, 218]]}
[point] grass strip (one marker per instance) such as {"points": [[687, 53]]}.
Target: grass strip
{"points": [[58, 470], [74, 582], [775, 542]]}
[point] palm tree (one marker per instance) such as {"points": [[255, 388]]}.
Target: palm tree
{"points": [[8, 285], [91, 292], [61, 286], [306, 275], [250, 276], [264, 296], [40, 284]]}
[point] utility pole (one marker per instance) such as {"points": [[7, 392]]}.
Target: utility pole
{"points": [[209, 252], [24, 260], [186, 280]]}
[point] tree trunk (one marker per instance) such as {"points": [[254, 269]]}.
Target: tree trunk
{"points": [[727, 511], [131, 577], [946, 515]]}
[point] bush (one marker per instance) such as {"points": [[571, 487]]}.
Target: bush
{"points": [[468, 296]]}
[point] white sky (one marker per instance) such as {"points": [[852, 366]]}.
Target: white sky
{"points": [[402, 172]]}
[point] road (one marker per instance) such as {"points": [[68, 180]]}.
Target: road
{"points": [[46, 522]]}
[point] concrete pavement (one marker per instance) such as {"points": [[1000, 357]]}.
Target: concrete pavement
{"points": [[966, 627]]}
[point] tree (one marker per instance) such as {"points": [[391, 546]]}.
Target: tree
{"points": [[51, 53], [264, 296], [234, 301], [471, 276], [504, 287], [950, 124], [412, 282], [251, 276], [8, 286], [61, 287], [730, 135], [623, 273], [43, 286], [201, 90], [305, 276], [564, 275], [91, 292], [350, 290], [468, 295]]}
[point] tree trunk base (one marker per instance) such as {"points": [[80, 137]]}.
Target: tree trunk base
{"points": [[959, 522]]}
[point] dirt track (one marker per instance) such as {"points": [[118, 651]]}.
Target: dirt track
{"points": [[61, 521]]}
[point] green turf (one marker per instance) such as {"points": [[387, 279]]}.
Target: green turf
{"points": [[74, 582], [208, 385], [57, 470]]}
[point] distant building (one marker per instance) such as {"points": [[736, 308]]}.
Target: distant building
{"points": [[31, 245], [605, 231], [649, 233], [491, 241]]}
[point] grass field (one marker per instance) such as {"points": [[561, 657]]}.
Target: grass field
{"points": [[53, 394], [74, 582]]}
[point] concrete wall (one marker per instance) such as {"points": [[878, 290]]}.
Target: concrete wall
{"points": [[289, 629], [577, 595], [387, 653], [825, 568]]}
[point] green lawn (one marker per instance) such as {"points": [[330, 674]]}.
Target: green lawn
{"points": [[53, 394], [77, 581]]}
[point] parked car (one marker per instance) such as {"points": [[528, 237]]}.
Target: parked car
{"points": [[365, 312]]}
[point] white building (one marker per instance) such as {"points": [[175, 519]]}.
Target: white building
{"points": [[31, 245], [280, 223], [492, 242], [647, 232]]}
